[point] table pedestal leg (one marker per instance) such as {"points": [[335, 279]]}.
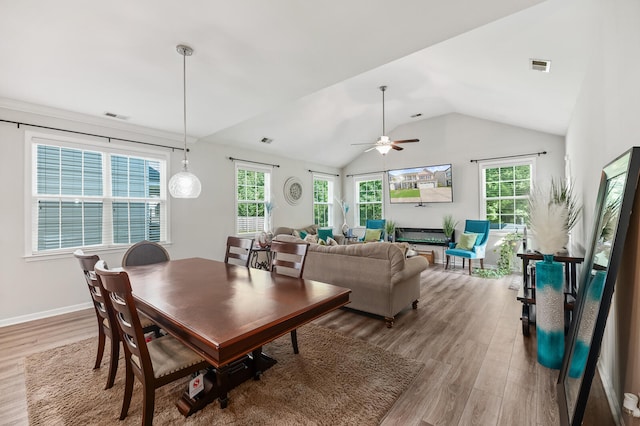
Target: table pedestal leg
{"points": [[219, 381]]}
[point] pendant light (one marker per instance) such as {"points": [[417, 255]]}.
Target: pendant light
{"points": [[184, 184]]}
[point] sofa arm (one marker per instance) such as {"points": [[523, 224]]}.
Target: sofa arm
{"points": [[412, 266]]}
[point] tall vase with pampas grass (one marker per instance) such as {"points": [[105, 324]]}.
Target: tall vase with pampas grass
{"points": [[548, 220]]}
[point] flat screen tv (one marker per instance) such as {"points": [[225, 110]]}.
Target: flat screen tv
{"points": [[418, 185]]}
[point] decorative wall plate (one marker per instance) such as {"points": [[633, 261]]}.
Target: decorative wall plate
{"points": [[293, 190]]}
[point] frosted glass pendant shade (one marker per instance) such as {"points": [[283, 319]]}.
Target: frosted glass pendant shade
{"points": [[184, 184]]}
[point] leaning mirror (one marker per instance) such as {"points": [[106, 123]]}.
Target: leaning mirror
{"points": [[618, 183]]}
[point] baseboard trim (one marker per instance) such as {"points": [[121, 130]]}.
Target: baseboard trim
{"points": [[44, 314], [610, 393]]}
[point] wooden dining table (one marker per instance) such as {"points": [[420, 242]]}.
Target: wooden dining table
{"points": [[227, 313]]}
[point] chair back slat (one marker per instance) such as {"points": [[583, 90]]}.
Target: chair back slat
{"points": [[145, 253], [118, 288], [288, 255], [238, 250]]}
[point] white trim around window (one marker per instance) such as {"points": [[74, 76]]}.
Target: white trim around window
{"points": [[255, 200], [490, 164], [154, 205], [328, 198], [356, 196]]}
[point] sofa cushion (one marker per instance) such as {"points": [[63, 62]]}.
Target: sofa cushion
{"points": [[324, 233], [332, 242], [467, 241], [372, 234], [310, 238]]}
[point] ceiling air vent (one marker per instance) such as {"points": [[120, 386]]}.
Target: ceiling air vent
{"points": [[114, 115], [266, 140], [542, 65]]}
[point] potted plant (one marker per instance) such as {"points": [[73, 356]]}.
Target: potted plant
{"points": [[449, 226], [562, 194], [390, 229]]}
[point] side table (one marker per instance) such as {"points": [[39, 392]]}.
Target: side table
{"points": [[260, 262]]}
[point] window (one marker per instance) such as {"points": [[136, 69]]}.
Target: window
{"points": [[368, 198], [505, 192], [85, 194], [323, 200], [253, 190]]}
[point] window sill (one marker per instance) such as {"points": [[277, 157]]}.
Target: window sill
{"points": [[65, 253]]}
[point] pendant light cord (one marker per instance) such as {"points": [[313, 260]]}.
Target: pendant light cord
{"points": [[383, 88], [184, 104]]}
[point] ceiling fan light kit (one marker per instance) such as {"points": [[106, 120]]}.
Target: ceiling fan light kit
{"points": [[384, 144]]}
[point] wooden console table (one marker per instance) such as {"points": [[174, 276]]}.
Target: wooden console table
{"points": [[527, 292]]}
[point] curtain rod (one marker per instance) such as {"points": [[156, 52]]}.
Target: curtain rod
{"points": [[511, 156], [367, 173], [253, 162], [109, 138], [324, 173]]}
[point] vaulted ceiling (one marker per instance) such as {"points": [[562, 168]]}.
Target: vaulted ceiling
{"points": [[305, 74]]}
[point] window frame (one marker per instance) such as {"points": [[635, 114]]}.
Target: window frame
{"points": [[268, 171], [33, 139], [331, 180], [356, 196], [492, 164]]}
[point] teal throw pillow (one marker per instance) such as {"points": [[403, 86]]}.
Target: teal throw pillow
{"points": [[302, 234], [323, 234], [372, 234], [467, 241]]}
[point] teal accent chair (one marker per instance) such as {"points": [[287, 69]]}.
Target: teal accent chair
{"points": [[480, 227], [375, 224]]}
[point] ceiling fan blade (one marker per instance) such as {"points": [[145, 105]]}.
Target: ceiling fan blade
{"points": [[364, 143], [370, 149], [407, 141], [397, 148]]}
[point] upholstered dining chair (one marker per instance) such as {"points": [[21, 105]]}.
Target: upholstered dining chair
{"points": [[155, 363], [145, 253], [105, 315], [238, 250], [291, 258], [471, 244], [372, 226]]}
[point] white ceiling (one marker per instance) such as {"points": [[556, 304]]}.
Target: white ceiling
{"points": [[305, 74]]}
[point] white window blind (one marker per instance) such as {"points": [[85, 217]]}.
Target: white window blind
{"points": [[91, 195]]}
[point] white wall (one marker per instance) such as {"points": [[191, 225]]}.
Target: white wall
{"points": [[456, 139], [33, 288], [605, 124]]}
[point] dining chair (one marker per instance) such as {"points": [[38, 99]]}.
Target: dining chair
{"points": [[105, 315], [145, 253], [155, 363], [291, 257], [238, 251]]}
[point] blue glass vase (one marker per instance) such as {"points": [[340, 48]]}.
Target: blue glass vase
{"points": [[587, 324], [550, 312]]}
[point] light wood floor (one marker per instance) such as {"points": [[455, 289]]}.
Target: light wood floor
{"points": [[479, 369]]}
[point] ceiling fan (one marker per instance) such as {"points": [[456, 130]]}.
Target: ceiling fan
{"points": [[384, 144]]}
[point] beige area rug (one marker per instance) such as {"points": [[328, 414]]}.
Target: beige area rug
{"points": [[334, 380]]}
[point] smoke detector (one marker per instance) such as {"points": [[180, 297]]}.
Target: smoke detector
{"points": [[542, 65]]}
